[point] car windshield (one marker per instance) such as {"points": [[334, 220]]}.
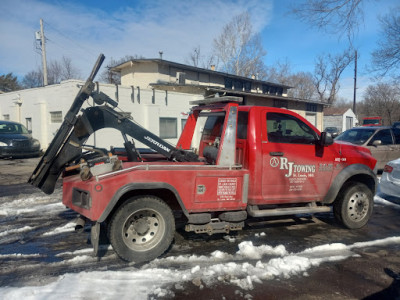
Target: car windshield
{"points": [[12, 128], [356, 136], [330, 129]]}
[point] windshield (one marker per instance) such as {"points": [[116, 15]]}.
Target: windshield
{"points": [[356, 136], [371, 122], [331, 129], [12, 128]]}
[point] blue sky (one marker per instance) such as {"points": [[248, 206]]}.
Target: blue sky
{"points": [[81, 30]]}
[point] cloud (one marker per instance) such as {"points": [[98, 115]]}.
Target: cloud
{"points": [[82, 32]]}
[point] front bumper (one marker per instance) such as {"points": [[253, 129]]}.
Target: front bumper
{"points": [[16, 152]]}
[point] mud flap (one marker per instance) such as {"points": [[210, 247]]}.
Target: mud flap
{"points": [[95, 238]]}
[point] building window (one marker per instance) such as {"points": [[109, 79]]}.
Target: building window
{"points": [[6, 117], [247, 86], [281, 103], [228, 83], [56, 116], [28, 123], [311, 107], [238, 85], [168, 128], [183, 123]]}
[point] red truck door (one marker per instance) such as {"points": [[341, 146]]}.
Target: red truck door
{"points": [[295, 168]]}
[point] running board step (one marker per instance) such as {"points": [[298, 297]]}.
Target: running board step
{"points": [[254, 211]]}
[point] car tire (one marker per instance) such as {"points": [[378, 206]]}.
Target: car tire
{"points": [[353, 206], [142, 229]]}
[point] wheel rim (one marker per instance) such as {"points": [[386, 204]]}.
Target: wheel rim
{"points": [[143, 229], [358, 206]]}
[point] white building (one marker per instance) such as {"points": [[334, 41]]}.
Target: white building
{"points": [[341, 118], [155, 92], [43, 109]]}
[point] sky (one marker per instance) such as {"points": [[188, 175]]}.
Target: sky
{"points": [[81, 30]]}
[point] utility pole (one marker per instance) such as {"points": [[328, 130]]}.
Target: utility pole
{"points": [[43, 41], [355, 83]]}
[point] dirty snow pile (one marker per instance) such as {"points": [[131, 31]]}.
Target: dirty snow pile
{"points": [[249, 265]]}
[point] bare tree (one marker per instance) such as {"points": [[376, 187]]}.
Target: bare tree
{"points": [[387, 57], [33, 79], [382, 99], [239, 50], [197, 59], [57, 71], [335, 16], [68, 70], [328, 70], [279, 72], [110, 76], [302, 86], [194, 57]]}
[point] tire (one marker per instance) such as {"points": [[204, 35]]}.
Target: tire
{"points": [[142, 229], [353, 206]]}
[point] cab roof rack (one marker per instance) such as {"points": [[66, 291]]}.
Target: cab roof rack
{"points": [[217, 99]]}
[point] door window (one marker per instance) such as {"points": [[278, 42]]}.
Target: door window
{"points": [[385, 136], [283, 128]]}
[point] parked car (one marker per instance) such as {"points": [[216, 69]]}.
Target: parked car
{"points": [[334, 131], [16, 141], [390, 181], [383, 142]]}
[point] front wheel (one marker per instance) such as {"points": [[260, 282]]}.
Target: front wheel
{"points": [[354, 205], [142, 229]]}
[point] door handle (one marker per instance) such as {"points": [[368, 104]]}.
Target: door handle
{"points": [[276, 153]]}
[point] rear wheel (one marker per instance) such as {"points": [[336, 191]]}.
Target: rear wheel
{"points": [[354, 205], [142, 229]]}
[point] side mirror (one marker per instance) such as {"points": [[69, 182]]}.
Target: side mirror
{"points": [[377, 143], [326, 139]]}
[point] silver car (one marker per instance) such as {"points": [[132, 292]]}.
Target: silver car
{"points": [[390, 181], [383, 142]]}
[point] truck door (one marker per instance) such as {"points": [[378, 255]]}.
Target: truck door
{"points": [[385, 150], [295, 167]]}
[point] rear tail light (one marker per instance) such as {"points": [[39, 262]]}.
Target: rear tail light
{"points": [[388, 169]]}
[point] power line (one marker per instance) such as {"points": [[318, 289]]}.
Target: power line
{"points": [[84, 49]]}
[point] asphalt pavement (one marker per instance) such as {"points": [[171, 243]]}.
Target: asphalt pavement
{"points": [[372, 273]]}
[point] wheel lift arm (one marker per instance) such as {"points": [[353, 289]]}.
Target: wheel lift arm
{"points": [[65, 147]]}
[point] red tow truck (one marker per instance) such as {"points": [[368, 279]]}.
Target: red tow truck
{"points": [[231, 163], [372, 121]]}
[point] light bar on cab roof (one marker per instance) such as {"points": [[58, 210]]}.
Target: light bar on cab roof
{"points": [[214, 100]]}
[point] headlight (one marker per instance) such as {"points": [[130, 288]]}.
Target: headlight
{"points": [[36, 143], [2, 144]]}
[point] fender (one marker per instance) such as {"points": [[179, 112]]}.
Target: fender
{"points": [[139, 186], [344, 175]]}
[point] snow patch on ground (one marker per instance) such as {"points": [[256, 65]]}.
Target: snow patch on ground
{"points": [[37, 203], [69, 227], [379, 200], [8, 231], [251, 264], [156, 280]]}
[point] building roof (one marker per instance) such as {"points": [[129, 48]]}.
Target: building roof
{"points": [[192, 68], [199, 89]]}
